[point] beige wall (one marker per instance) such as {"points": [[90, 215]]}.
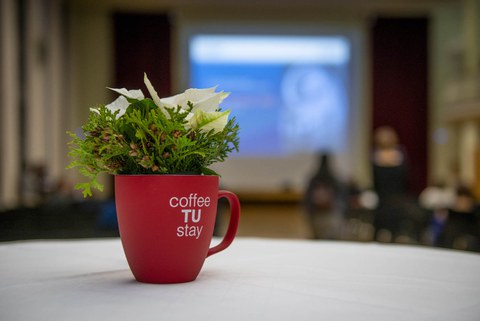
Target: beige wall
{"points": [[41, 94], [91, 49], [454, 104], [10, 167]]}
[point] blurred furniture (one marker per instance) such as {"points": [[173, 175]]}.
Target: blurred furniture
{"points": [[255, 279], [461, 231], [64, 220]]}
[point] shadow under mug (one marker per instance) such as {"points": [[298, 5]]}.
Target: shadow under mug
{"points": [[166, 224]]}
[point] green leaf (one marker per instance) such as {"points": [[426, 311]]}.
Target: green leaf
{"points": [[208, 171]]}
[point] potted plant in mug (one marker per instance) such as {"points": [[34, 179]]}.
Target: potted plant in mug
{"points": [[159, 151]]}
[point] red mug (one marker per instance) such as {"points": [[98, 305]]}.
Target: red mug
{"points": [[166, 224]]}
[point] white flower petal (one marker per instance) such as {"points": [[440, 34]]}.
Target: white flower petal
{"points": [[204, 114], [174, 101], [194, 94], [121, 104], [189, 116], [136, 94], [206, 121], [211, 102], [95, 110], [133, 94], [154, 95]]}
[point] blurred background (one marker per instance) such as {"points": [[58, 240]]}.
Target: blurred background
{"points": [[360, 120]]}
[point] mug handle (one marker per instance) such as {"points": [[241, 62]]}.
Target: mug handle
{"points": [[232, 225]]}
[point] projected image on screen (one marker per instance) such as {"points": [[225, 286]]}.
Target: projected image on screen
{"points": [[288, 93]]}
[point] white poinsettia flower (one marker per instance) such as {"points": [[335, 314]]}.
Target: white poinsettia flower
{"points": [[121, 103], [206, 121], [204, 114]]}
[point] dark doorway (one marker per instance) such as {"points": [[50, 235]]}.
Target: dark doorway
{"points": [[400, 93], [143, 44]]}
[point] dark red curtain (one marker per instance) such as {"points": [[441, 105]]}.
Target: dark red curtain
{"points": [[143, 44], [400, 93]]}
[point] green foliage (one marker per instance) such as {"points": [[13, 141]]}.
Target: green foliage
{"points": [[146, 141]]}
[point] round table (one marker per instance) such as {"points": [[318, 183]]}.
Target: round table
{"points": [[254, 279]]}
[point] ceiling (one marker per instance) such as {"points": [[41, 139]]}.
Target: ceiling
{"points": [[380, 6]]}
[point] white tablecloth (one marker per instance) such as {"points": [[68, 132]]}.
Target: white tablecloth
{"points": [[254, 279]]}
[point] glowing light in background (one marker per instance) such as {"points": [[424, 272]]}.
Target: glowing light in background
{"points": [[289, 93]]}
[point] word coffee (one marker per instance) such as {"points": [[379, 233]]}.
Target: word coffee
{"points": [[191, 208]]}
